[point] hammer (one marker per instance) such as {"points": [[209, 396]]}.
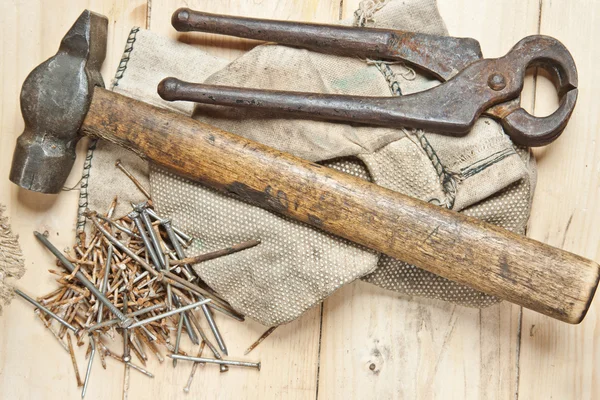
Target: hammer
{"points": [[64, 99]]}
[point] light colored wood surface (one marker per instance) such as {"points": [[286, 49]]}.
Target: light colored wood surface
{"points": [[420, 349], [560, 361]]}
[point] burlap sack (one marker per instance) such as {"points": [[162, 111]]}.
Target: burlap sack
{"points": [[297, 266], [12, 263]]}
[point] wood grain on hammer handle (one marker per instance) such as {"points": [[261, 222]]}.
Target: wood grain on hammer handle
{"points": [[461, 248]]}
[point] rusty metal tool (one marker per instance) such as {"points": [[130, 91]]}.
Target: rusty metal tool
{"points": [[63, 99], [471, 85]]}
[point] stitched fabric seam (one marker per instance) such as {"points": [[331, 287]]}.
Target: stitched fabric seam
{"points": [[390, 78], [126, 56], [83, 191], [482, 164], [447, 180], [87, 166]]}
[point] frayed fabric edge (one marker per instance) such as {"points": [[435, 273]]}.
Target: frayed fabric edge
{"points": [[12, 262]]}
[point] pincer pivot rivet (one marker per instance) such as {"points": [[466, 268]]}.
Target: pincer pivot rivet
{"points": [[496, 82]]}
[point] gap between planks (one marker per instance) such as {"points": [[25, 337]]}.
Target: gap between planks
{"points": [[520, 327], [148, 13], [340, 17], [520, 319]]}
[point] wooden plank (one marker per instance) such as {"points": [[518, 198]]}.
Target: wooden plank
{"points": [[290, 356], [420, 348], [557, 360], [32, 364], [383, 345], [379, 344]]}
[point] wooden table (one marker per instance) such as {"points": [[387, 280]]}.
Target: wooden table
{"points": [[363, 342]]}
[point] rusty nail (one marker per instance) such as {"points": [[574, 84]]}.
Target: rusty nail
{"points": [[44, 309], [80, 276], [74, 360], [259, 340], [169, 313], [216, 361], [89, 367], [194, 367], [142, 189]]}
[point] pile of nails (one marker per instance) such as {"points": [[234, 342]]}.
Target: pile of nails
{"points": [[131, 278]]}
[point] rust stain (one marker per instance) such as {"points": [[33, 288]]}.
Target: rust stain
{"points": [[267, 199], [314, 220]]}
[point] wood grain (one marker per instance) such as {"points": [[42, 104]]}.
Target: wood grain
{"points": [[32, 364], [461, 248], [558, 361], [292, 354], [356, 318], [427, 349], [289, 357]]}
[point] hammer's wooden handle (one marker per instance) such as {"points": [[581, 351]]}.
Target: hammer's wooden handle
{"points": [[518, 269]]}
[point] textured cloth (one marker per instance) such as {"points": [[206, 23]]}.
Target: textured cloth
{"points": [[12, 263], [297, 266]]}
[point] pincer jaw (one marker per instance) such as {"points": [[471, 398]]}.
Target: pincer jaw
{"points": [[549, 53]]}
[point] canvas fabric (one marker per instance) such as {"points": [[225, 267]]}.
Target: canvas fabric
{"points": [[297, 266], [12, 262]]}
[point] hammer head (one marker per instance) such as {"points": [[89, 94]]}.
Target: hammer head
{"points": [[54, 101]]}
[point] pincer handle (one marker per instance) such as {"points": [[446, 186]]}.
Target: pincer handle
{"points": [[443, 56], [471, 85], [317, 37]]}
